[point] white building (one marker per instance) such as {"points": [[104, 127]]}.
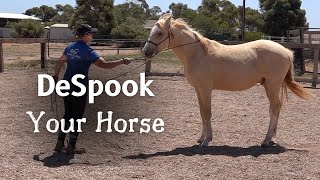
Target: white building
{"points": [[60, 32], [11, 17]]}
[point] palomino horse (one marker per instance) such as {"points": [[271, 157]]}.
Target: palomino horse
{"points": [[209, 65]]}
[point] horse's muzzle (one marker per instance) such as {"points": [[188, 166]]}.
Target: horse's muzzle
{"points": [[148, 51]]}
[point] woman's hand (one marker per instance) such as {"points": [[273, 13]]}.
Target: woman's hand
{"points": [[127, 61]]}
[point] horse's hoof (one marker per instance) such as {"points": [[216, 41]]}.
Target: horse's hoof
{"points": [[271, 144], [199, 141], [204, 144], [265, 145]]}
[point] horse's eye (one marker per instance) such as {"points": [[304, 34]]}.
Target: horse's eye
{"points": [[160, 34]]}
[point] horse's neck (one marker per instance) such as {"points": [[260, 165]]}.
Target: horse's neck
{"points": [[188, 48]]}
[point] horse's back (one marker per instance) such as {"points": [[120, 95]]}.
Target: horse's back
{"points": [[267, 56], [256, 46], [239, 67]]}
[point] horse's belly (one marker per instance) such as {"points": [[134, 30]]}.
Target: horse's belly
{"points": [[224, 76], [235, 83], [233, 87]]}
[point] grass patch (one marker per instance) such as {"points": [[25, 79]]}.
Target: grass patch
{"points": [[29, 64], [163, 62], [166, 62]]}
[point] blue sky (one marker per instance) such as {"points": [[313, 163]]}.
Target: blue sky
{"points": [[17, 6]]}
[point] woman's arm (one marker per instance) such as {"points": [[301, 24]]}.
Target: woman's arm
{"points": [[111, 64], [57, 68]]}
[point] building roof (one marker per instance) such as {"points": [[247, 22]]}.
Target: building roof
{"points": [[17, 16], [60, 25]]}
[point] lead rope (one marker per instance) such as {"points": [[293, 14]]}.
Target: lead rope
{"points": [[131, 70], [53, 101]]}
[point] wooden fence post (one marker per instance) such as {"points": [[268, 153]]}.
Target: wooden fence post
{"points": [[118, 47], [43, 55], [310, 38], [1, 59], [315, 67], [148, 67], [301, 35]]}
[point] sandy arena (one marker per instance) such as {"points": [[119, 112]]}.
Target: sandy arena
{"points": [[240, 121]]}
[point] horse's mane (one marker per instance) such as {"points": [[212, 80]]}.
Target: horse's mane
{"points": [[204, 42]]}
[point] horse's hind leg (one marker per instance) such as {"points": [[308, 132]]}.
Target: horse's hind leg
{"points": [[204, 97], [273, 94]]}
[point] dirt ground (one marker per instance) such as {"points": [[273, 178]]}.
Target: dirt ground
{"points": [[240, 121]]}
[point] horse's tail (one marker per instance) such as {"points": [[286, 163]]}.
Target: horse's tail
{"points": [[292, 84]]}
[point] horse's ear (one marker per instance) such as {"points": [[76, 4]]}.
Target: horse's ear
{"points": [[168, 21]]}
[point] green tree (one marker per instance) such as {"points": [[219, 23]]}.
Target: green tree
{"points": [[27, 29], [208, 26], [254, 20], [282, 15], [44, 12], [130, 18], [227, 16], [219, 17], [129, 30], [254, 23], [154, 12], [142, 3], [129, 10], [190, 16], [180, 10], [177, 9], [209, 7], [97, 13], [64, 15]]}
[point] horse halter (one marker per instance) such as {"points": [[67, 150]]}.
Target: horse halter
{"points": [[157, 44], [168, 37]]}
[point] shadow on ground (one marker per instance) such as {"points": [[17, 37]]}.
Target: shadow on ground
{"points": [[232, 151], [54, 160]]}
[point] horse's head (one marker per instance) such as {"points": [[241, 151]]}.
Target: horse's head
{"points": [[159, 37]]}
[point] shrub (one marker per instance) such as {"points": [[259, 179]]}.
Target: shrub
{"points": [[252, 36], [129, 31], [27, 29]]}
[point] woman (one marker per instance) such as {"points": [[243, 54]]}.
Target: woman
{"points": [[79, 56]]}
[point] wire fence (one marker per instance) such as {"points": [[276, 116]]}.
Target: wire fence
{"points": [[102, 46]]}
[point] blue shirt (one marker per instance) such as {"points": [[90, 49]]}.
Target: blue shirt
{"points": [[79, 58]]}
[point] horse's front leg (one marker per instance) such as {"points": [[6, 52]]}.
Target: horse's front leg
{"points": [[204, 127], [204, 97]]}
